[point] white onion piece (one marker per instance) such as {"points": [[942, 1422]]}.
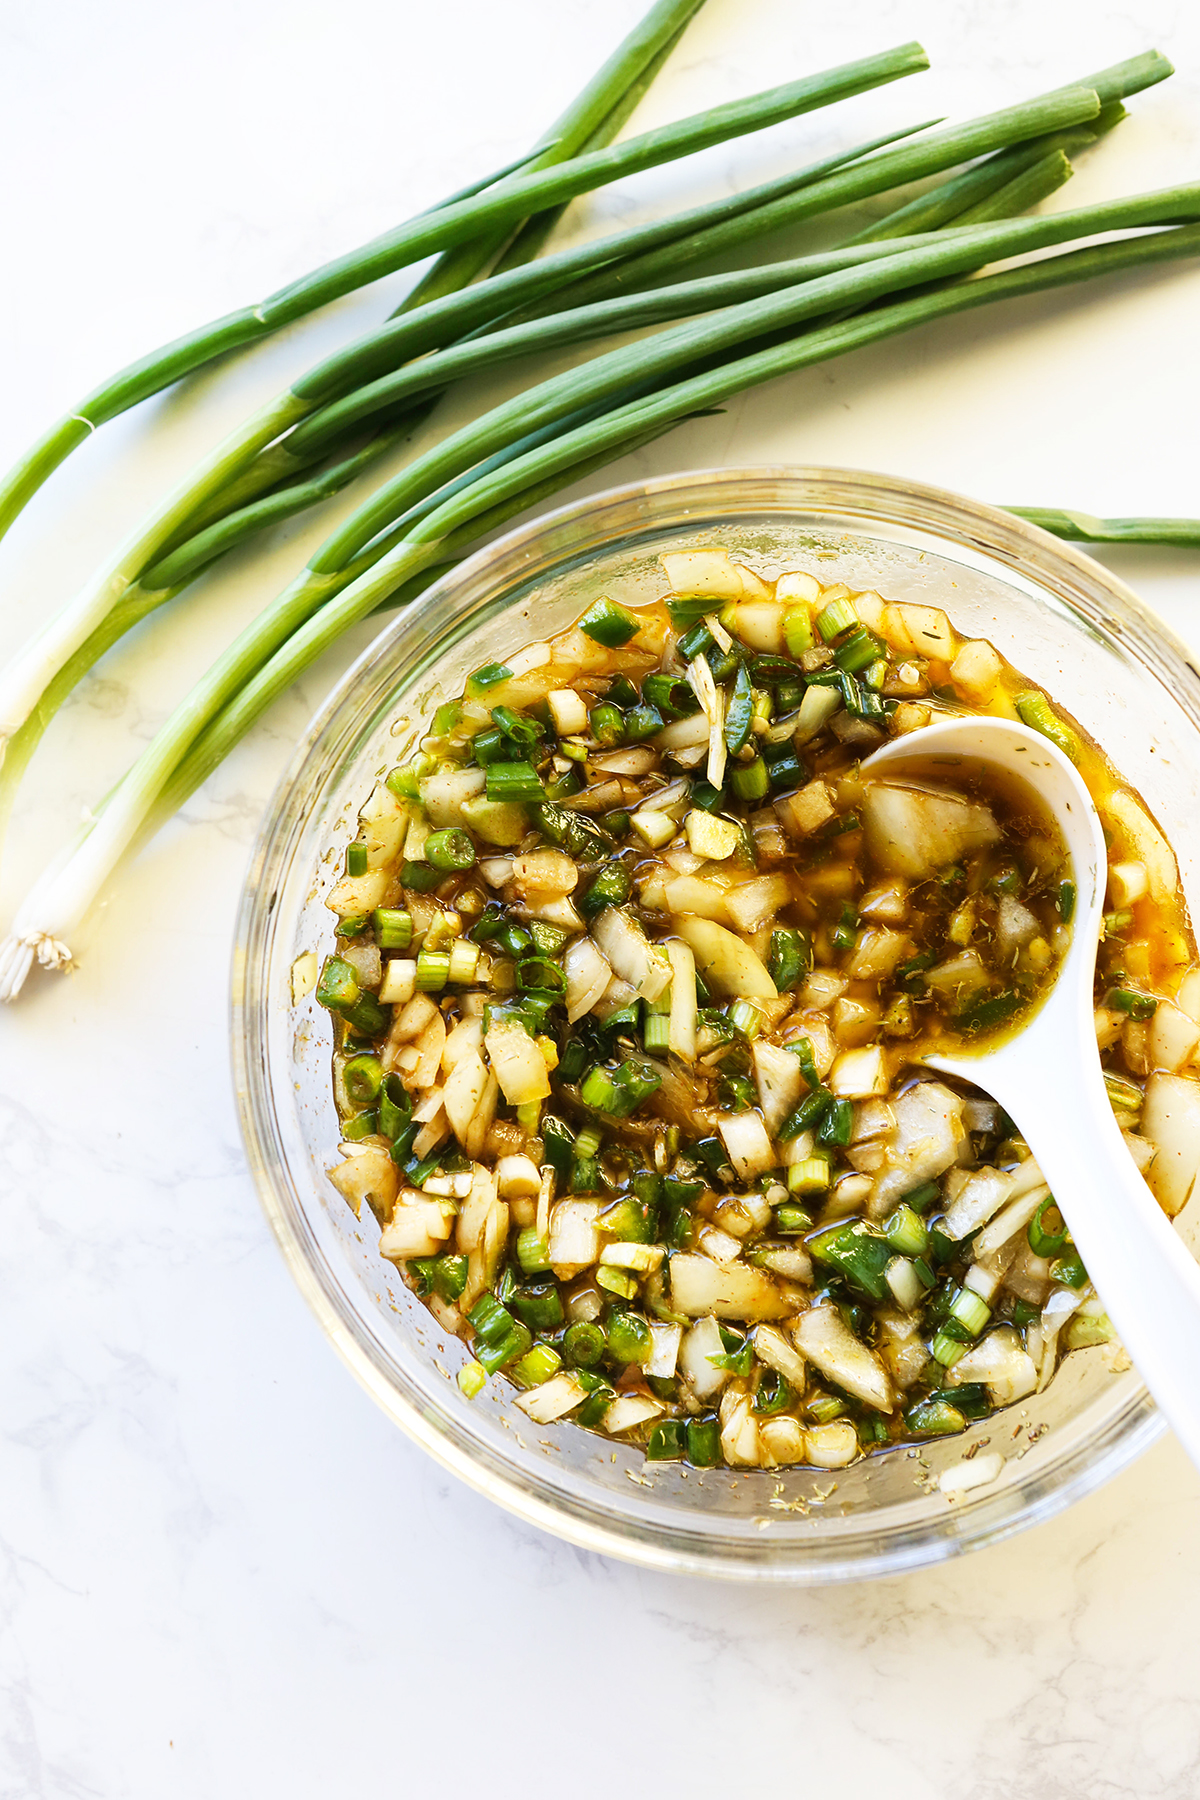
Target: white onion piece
{"points": [[745, 1138], [630, 953], [587, 973], [728, 1290], [961, 1477], [983, 1194], [543, 1404], [681, 1025], [628, 1410], [828, 1342], [518, 1064], [702, 1342], [1001, 1360], [779, 1080]]}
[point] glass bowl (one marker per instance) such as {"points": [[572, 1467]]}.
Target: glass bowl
{"points": [[1059, 617]]}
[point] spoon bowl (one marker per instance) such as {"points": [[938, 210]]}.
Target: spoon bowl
{"points": [[1047, 1076]]}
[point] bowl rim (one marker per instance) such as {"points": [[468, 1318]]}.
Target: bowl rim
{"points": [[1004, 538]]}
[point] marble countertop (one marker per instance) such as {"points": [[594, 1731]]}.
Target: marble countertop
{"points": [[223, 1571]]}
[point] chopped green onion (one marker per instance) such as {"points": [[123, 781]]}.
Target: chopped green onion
{"points": [[472, 1379], [540, 972], [356, 859], [338, 986], [642, 722], [549, 939], [1041, 1241], [540, 1306], [490, 1321], [629, 1339], [464, 961], [745, 1017], [1069, 1270], [533, 1253], [797, 630], [393, 927], [750, 781], [970, 1398], [837, 1122], [395, 1107], [905, 1231], [858, 1252], [740, 712], [596, 1405], [1123, 1096], [366, 1016], [802, 1049], [352, 927], [588, 1142], [433, 970], [443, 1275], [934, 1417], [606, 724], [947, 1350], [790, 1221], [362, 1125], [450, 850], [1066, 901], [1035, 710], [699, 641], [490, 676], [672, 698], [789, 958], [919, 1198], [838, 616], [845, 931], [558, 1145], [513, 781], [656, 1027], [859, 651], [362, 1077], [812, 1176], [773, 1394], [420, 877], [609, 625], [583, 1344], [494, 1356], [971, 1312], [667, 1441], [1137, 1006], [824, 1408], [617, 1281], [611, 887]]}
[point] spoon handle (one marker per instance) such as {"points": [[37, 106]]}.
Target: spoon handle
{"points": [[1143, 1271]]}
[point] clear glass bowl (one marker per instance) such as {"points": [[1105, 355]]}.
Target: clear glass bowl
{"points": [[1058, 616]]}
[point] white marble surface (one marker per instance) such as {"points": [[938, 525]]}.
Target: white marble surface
{"points": [[223, 1572]]}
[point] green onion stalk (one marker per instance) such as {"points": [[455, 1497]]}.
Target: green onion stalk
{"points": [[592, 122], [195, 547], [249, 677], [597, 383], [504, 204], [1082, 528], [507, 203], [445, 319], [1004, 185], [455, 313], [582, 125]]}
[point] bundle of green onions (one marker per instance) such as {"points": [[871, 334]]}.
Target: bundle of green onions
{"points": [[733, 331]]}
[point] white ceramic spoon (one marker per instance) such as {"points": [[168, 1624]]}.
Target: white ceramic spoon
{"points": [[1047, 1077]]}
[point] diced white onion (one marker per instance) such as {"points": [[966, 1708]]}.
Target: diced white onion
{"points": [[587, 973]]}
